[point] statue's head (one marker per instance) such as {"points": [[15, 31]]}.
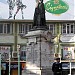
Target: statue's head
{"points": [[40, 1]]}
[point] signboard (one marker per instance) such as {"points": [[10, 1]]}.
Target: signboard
{"points": [[56, 6], [55, 10], [14, 66], [67, 38], [3, 66], [66, 52], [23, 66], [67, 65], [5, 52]]}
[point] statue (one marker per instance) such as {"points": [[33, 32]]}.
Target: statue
{"points": [[39, 15]]}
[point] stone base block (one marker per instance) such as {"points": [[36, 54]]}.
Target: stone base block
{"points": [[46, 72], [33, 72], [39, 72]]}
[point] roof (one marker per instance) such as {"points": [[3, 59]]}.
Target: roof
{"points": [[52, 21]]}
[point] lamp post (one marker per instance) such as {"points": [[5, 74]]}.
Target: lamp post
{"points": [[40, 51], [9, 60], [18, 63], [18, 50], [0, 62], [70, 54]]}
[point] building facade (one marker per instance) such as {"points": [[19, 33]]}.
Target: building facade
{"points": [[12, 39]]}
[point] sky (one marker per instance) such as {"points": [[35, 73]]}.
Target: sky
{"points": [[3, 1], [29, 11]]}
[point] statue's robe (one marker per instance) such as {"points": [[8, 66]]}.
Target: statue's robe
{"points": [[39, 16]]}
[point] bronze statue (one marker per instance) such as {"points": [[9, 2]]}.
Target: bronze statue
{"points": [[39, 15]]}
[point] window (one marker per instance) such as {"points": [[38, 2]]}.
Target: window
{"points": [[64, 28], [68, 28], [1, 28], [6, 28], [51, 27], [29, 26], [24, 28]]}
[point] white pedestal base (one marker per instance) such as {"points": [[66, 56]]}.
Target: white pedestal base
{"points": [[39, 53]]}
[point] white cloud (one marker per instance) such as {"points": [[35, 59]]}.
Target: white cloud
{"points": [[3, 10]]}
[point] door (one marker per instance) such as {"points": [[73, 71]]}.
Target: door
{"points": [[14, 72]]}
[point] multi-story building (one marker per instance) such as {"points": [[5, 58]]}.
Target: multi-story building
{"points": [[12, 39]]}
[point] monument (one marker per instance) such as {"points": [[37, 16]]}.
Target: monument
{"points": [[39, 53]]}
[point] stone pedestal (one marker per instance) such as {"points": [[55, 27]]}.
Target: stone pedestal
{"points": [[39, 53]]}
